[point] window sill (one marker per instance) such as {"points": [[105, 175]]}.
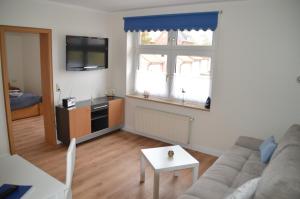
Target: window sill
{"points": [[197, 106]]}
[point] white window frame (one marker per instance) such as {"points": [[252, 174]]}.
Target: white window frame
{"points": [[172, 50]]}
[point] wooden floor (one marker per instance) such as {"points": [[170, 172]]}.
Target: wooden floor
{"points": [[107, 167]]}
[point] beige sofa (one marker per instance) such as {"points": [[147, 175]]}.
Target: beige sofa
{"points": [[280, 178]]}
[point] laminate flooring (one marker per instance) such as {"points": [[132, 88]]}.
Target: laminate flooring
{"points": [[107, 167]]}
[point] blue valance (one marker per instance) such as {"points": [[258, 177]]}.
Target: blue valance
{"points": [[186, 21]]}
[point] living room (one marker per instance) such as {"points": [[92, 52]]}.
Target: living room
{"points": [[254, 85]]}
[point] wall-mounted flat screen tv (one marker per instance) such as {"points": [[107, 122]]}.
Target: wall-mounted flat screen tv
{"points": [[86, 53]]}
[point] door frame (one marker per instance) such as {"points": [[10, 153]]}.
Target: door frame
{"points": [[46, 80]]}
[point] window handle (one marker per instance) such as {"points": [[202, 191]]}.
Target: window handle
{"points": [[168, 77], [172, 40]]}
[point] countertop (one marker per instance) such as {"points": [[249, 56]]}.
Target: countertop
{"points": [[96, 101]]}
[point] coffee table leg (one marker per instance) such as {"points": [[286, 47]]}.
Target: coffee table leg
{"points": [[142, 169], [156, 185], [195, 173]]}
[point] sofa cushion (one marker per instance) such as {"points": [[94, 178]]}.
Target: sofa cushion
{"points": [[239, 151], [206, 188], [235, 157], [246, 190], [253, 165], [291, 137], [240, 179], [252, 168], [281, 178], [232, 160], [266, 151], [240, 165], [266, 142], [222, 174], [249, 142]]}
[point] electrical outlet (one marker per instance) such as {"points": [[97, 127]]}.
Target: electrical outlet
{"points": [[57, 87]]}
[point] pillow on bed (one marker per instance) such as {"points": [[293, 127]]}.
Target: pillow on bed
{"points": [[15, 93]]}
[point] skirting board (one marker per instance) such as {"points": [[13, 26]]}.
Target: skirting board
{"points": [[194, 147]]}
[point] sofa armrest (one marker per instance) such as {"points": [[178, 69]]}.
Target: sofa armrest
{"points": [[249, 142]]}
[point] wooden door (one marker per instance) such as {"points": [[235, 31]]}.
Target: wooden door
{"points": [[115, 113], [47, 80], [80, 121]]}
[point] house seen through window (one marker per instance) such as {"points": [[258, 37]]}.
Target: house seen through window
{"points": [[174, 64]]}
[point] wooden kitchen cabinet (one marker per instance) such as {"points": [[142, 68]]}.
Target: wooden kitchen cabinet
{"points": [[115, 112], [80, 121], [72, 123], [89, 119]]}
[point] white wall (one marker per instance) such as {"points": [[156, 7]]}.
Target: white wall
{"points": [[31, 63], [254, 91], [23, 59], [14, 51], [63, 20]]}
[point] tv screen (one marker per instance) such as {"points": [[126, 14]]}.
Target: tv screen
{"points": [[86, 53]]}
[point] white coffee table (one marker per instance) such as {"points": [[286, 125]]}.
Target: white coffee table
{"points": [[159, 160]]}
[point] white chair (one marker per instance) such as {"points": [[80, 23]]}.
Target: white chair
{"points": [[71, 155]]}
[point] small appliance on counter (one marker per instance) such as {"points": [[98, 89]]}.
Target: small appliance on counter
{"points": [[69, 102]]}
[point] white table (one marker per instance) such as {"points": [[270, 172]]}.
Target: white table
{"points": [[16, 170], [159, 160]]}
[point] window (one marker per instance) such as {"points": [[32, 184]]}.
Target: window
{"points": [[192, 76], [174, 64], [151, 74]]}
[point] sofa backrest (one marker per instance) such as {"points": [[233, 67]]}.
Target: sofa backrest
{"points": [[281, 178], [291, 137]]}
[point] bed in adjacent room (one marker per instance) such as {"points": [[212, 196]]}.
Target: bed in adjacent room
{"points": [[23, 104]]}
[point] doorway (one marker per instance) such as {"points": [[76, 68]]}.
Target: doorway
{"points": [[46, 107]]}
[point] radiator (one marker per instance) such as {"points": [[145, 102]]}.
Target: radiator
{"points": [[169, 126]]}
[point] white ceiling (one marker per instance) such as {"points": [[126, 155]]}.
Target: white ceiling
{"points": [[123, 5]]}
